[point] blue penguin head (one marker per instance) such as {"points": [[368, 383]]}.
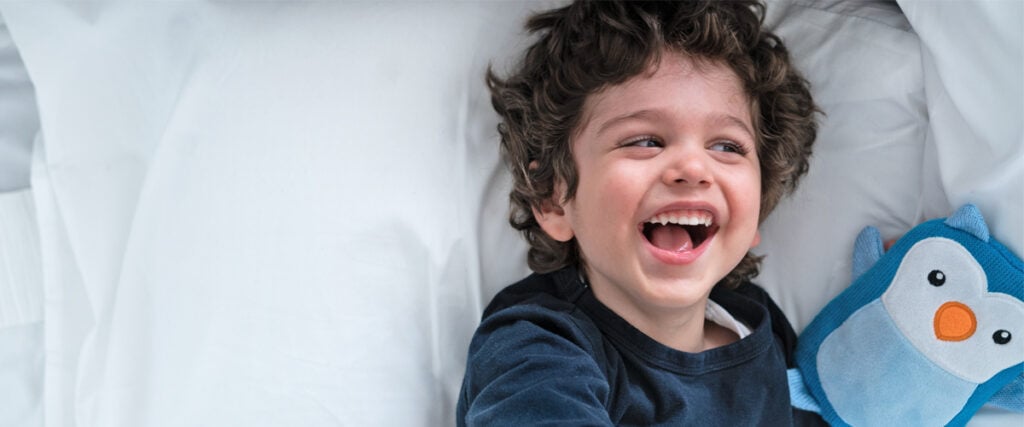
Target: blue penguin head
{"points": [[953, 292], [941, 298]]}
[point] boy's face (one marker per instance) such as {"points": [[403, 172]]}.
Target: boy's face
{"points": [[676, 145]]}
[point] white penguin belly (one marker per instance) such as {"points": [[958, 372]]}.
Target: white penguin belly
{"points": [[897, 385]]}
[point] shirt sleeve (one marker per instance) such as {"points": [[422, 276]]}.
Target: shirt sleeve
{"points": [[528, 367], [786, 337]]}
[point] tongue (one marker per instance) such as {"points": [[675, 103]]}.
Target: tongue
{"points": [[671, 238]]}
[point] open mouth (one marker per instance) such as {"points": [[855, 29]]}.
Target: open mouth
{"points": [[679, 231]]}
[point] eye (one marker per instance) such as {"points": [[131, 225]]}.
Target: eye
{"points": [[936, 278], [727, 146], [1001, 337], [643, 142]]}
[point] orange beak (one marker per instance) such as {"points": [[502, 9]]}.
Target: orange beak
{"points": [[954, 321]]}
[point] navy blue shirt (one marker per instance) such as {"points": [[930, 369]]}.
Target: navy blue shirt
{"points": [[548, 352]]}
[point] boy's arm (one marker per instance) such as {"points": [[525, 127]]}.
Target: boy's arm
{"points": [[532, 371]]}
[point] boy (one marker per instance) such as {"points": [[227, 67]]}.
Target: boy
{"points": [[646, 142]]}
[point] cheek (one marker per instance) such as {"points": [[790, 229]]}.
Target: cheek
{"points": [[606, 201], [747, 185], [744, 196], [754, 195], [616, 193]]}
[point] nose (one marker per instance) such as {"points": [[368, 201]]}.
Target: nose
{"points": [[688, 167], [954, 321]]}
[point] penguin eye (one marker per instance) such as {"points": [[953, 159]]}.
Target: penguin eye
{"points": [[1001, 336], [936, 278]]}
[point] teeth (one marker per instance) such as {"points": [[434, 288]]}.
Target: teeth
{"points": [[683, 218]]}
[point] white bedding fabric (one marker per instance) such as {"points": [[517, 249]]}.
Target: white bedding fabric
{"points": [[19, 120], [973, 62], [260, 213], [21, 312], [867, 167]]}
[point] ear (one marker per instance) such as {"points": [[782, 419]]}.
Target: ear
{"points": [[553, 219], [968, 218], [757, 238], [867, 250]]}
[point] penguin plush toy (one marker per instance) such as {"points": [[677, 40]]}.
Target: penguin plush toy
{"points": [[926, 334]]}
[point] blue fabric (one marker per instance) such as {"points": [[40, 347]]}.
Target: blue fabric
{"points": [[868, 350], [862, 355], [1010, 397], [547, 352], [968, 218], [799, 396], [867, 250]]}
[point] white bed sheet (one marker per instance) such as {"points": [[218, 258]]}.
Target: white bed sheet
{"points": [[18, 118], [21, 312], [291, 214]]}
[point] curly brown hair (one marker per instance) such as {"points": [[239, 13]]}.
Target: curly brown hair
{"points": [[589, 45]]}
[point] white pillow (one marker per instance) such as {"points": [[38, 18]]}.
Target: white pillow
{"points": [[916, 113], [19, 121], [864, 66], [269, 213], [21, 312], [973, 61], [262, 213]]}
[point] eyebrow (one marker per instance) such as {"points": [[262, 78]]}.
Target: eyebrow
{"points": [[728, 119], [626, 117], [716, 119]]}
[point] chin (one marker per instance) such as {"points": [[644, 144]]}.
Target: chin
{"points": [[679, 292]]}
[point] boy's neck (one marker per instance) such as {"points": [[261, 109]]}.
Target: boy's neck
{"points": [[685, 334], [694, 336], [716, 335]]}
